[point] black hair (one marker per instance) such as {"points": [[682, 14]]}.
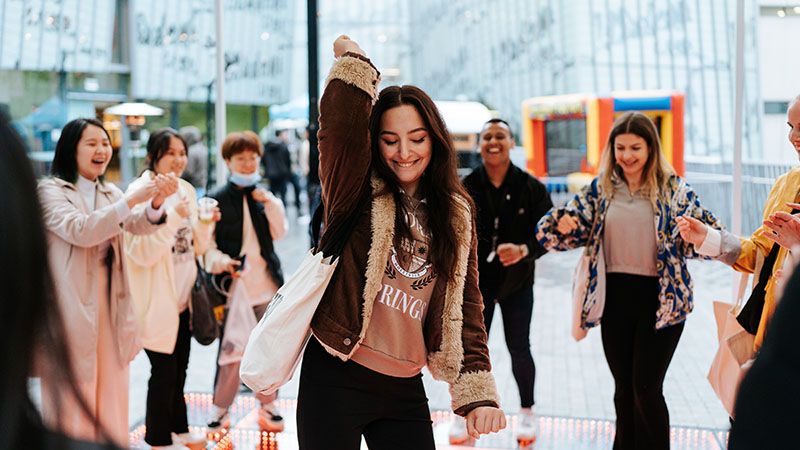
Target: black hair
{"points": [[158, 144], [65, 162], [29, 311], [439, 182], [496, 120]]}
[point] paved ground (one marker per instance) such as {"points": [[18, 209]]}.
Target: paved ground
{"points": [[573, 379]]}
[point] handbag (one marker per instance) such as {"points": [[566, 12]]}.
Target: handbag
{"points": [[580, 284], [278, 341], [203, 323], [735, 352]]}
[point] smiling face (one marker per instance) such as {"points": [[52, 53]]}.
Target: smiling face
{"points": [[173, 160], [93, 153], [495, 144], [405, 145], [245, 162], [630, 153], [793, 119]]}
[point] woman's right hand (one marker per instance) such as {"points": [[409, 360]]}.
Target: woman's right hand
{"points": [[343, 44], [567, 224], [141, 193]]}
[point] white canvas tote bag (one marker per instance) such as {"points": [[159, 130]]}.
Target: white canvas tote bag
{"points": [[278, 341]]}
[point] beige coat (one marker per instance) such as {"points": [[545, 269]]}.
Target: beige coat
{"points": [[152, 274], [74, 234]]}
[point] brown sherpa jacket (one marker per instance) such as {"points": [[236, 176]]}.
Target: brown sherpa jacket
{"points": [[454, 333]]}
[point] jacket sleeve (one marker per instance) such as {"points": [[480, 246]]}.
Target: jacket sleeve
{"points": [[781, 192], [276, 216], [344, 141], [475, 385], [686, 202], [146, 250], [214, 260], [66, 220], [582, 208]]}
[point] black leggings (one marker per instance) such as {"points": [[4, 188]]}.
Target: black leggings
{"points": [[339, 401], [166, 408], [638, 357]]}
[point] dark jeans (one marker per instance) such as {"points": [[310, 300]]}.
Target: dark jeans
{"points": [[517, 310], [638, 356], [166, 408], [294, 180], [278, 187], [340, 401]]}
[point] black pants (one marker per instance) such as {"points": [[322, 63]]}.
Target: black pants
{"points": [[517, 310], [638, 357], [166, 408], [339, 401], [277, 185]]}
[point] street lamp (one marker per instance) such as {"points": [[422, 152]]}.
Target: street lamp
{"points": [[133, 119]]}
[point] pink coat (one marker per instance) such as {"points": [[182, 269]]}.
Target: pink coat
{"points": [[74, 234]]}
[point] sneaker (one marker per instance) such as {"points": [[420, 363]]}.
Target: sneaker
{"points": [[190, 440], [458, 431], [219, 420], [269, 419], [174, 446], [528, 426]]}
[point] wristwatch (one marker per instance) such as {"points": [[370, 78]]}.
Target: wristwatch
{"points": [[524, 249]]}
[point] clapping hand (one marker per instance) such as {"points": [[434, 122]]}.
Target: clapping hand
{"points": [[785, 227], [167, 185]]}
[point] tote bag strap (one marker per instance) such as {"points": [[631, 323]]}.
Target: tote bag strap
{"points": [[339, 237]]}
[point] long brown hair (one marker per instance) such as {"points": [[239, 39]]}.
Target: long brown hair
{"points": [[439, 183], [656, 171]]}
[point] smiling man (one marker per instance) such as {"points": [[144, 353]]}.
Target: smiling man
{"points": [[509, 203]]}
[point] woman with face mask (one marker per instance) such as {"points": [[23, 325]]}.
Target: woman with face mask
{"points": [[252, 219]]}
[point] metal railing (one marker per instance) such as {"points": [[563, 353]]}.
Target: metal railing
{"points": [[713, 182]]}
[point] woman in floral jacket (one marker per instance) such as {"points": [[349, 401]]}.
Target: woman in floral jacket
{"points": [[638, 281]]}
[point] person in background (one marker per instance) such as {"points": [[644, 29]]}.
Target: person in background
{"points": [[509, 203], [85, 217], [277, 163], [196, 171], [743, 253], [35, 324], [638, 279], [405, 293], [252, 219], [162, 270]]}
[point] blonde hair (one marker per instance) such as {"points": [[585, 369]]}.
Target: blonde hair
{"points": [[656, 170]]}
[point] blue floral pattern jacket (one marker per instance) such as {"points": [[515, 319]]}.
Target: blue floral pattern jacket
{"points": [[676, 284]]}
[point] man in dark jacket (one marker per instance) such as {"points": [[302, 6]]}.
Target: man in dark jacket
{"points": [[277, 163], [509, 203]]}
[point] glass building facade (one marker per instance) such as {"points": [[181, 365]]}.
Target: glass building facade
{"points": [[505, 51]]}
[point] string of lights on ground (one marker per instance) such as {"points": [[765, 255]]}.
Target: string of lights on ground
{"points": [[555, 433]]}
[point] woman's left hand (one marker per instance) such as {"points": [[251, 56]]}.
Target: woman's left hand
{"points": [[485, 420], [692, 230], [785, 228], [509, 253], [261, 195]]}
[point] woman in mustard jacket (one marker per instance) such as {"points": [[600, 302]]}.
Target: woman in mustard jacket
{"points": [[751, 251]]}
